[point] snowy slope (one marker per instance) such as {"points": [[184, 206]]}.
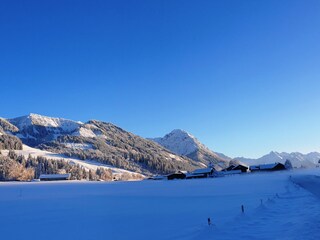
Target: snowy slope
{"points": [[88, 165], [6, 126], [163, 210], [101, 141], [180, 142], [185, 144], [36, 119]]}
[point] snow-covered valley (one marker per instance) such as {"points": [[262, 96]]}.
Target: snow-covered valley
{"points": [[275, 204]]}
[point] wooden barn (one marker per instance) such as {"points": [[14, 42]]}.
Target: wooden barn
{"points": [[55, 177], [177, 175], [201, 173], [242, 168], [268, 167], [230, 168], [237, 168]]}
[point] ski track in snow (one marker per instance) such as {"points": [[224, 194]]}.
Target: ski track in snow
{"points": [[165, 209]]}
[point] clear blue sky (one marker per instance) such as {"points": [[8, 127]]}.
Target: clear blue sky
{"points": [[243, 76]]}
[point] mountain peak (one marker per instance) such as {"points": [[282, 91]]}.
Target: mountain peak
{"points": [[183, 143], [179, 131], [179, 141], [40, 120]]}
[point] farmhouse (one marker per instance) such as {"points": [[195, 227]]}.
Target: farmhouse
{"points": [[240, 167], [177, 175], [237, 168], [55, 177], [230, 168], [268, 167], [201, 173]]}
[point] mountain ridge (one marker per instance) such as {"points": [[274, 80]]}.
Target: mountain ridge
{"points": [[183, 143], [297, 159], [101, 141]]}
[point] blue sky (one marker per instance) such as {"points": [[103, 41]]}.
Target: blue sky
{"points": [[242, 76]]}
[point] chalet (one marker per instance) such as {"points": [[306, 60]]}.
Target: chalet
{"points": [[55, 177], [242, 168], [201, 173], [236, 168], [230, 168], [268, 167], [225, 173], [177, 175]]}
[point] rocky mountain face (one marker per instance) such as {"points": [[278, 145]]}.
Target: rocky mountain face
{"points": [[185, 144], [6, 126], [99, 141], [297, 159]]}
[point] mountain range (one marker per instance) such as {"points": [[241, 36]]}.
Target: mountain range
{"points": [[298, 160], [111, 145], [98, 141]]}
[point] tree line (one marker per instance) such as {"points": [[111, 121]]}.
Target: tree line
{"points": [[18, 168]]}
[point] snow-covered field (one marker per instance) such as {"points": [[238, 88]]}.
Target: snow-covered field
{"points": [[276, 205]]}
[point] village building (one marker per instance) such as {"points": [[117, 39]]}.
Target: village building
{"points": [[230, 168], [234, 169], [201, 173], [241, 167], [268, 167], [177, 175], [55, 177]]}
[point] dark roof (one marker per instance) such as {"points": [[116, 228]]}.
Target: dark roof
{"points": [[230, 167], [236, 167], [265, 166]]}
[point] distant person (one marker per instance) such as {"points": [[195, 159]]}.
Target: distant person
{"points": [[209, 221]]}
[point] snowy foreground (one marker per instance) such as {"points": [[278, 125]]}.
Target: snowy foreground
{"points": [[290, 208]]}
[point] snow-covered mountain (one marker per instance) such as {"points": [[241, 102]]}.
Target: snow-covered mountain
{"points": [[297, 159], [50, 122], [185, 144], [98, 141], [35, 129]]}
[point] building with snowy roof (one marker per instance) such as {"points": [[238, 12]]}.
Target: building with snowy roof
{"points": [[200, 173], [55, 177], [177, 175], [240, 167], [268, 167]]}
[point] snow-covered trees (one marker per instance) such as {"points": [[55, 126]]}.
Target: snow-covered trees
{"points": [[288, 164], [10, 142], [17, 168], [11, 170]]}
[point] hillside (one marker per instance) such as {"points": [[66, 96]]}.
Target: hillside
{"points": [[99, 141], [8, 141]]}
